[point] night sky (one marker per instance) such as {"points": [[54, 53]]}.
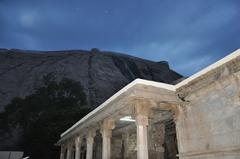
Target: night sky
{"points": [[190, 34]]}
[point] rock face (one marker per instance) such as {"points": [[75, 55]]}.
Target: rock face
{"points": [[101, 73]]}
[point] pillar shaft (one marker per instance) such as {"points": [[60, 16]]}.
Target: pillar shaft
{"points": [[77, 153], [78, 147], [106, 139], [69, 151], [62, 152], [142, 111], [90, 140], [142, 136], [106, 131], [89, 148]]}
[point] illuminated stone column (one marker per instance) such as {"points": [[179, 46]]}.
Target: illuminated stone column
{"points": [[78, 141], [69, 151], [90, 139], [142, 137], [62, 152], [106, 131], [141, 117]]}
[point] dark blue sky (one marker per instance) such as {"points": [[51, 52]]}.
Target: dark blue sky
{"points": [[190, 34]]}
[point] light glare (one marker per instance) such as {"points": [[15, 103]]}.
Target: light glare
{"points": [[127, 118]]}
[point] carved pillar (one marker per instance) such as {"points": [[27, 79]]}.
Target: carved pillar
{"points": [[62, 152], [69, 151], [90, 140], [78, 142], [142, 137], [106, 131], [141, 117]]}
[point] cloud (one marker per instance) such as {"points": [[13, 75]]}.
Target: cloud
{"points": [[27, 19], [190, 34]]}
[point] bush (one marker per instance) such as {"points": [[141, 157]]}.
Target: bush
{"points": [[44, 115]]}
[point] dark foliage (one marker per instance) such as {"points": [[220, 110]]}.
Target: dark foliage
{"points": [[43, 115]]}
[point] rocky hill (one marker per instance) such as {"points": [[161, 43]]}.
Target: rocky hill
{"points": [[101, 73]]}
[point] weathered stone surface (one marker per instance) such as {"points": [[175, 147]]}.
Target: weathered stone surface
{"points": [[156, 134], [117, 148], [209, 126], [101, 73]]}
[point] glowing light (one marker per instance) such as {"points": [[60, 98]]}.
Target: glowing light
{"points": [[127, 118]]}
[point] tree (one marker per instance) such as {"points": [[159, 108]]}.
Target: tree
{"points": [[42, 116]]}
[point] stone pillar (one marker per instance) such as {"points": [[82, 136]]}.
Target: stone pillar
{"points": [[90, 139], [69, 151], [141, 117], [142, 137], [106, 131], [62, 152], [78, 142]]}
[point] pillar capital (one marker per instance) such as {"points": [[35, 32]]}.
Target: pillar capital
{"points": [[78, 140], [141, 120], [69, 144], [142, 107], [142, 112], [107, 126], [90, 135]]}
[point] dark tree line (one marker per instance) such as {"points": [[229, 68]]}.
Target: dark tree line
{"points": [[45, 114]]}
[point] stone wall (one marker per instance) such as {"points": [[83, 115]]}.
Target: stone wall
{"points": [[156, 134], [117, 147], [162, 140], [209, 123], [125, 146]]}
